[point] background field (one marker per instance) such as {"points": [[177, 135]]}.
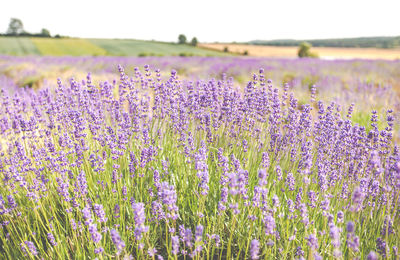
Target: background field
{"points": [[98, 47], [359, 42], [324, 52], [128, 47], [73, 47], [17, 46], [120, 47]]}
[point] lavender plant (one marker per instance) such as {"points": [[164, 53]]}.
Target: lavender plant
{"points": [[160, 167]]}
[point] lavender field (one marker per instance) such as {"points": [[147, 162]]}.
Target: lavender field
{"points": [[199, 158]]}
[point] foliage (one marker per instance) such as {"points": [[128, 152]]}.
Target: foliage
{"points": [[194, 41], [15, 27], [304, 51], [182, 39], [45, 33]]}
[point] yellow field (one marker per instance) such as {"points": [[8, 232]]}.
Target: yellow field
{"points": [[323, 52], [67, 46]]}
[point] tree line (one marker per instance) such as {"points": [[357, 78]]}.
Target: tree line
{"points": [[16, 28], [361, 42], [183, 40]]}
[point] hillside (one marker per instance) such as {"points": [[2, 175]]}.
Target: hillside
{"points": [[97, 47], [360, 42]]}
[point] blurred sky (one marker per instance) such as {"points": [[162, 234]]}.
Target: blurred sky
{"points": [[208, 20]]}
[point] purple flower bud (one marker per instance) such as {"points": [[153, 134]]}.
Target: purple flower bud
{"points": [[87, 215], [51, 238], [372, 256], [175, 245], [350, 227], [199, 232], [116, 239], [254, 249], [98, 250], [269, 224], [140, 218], [31, 247], [152, 252], [312, 241], [96, 236], [99, 211]]}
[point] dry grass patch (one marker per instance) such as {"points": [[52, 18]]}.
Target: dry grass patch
{"points": [[323, 52]]}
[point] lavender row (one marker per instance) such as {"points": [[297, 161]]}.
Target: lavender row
{"points": [[345, 81]]}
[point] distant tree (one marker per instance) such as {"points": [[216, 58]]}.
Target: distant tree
{"points": [[304, 51], [246, 52], [194, 41], [15, 27], [226, 49], [45, 33], [181, 39]]}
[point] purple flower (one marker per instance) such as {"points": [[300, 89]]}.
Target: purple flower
{"points": [[138, 211], [175, 245], [87, 215], [254, 249], [262, 175], [202, 168], [152, 252], [116, 239], [96, 236], [269, 225], [334, 233], [99, 211], [81, 184], [140, 218], [168, 197], [350, 227], [51, 239], [186, 235], [372, 256], [98, 250], [381, 246], [199, 233], [317, 256], [358, 197], [290, 181], [31, 247], [312, 241], [299, 251], [340, 216]]}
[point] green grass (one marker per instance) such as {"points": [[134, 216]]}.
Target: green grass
{"points": [[98, 47], [17, 46], [69, 46], [150, 48]]}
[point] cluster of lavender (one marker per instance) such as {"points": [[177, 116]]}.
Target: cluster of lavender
{"points": [[152, 166], [344, 81]]}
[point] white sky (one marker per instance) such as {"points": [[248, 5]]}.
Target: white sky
{"points": [[208, 20]]}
